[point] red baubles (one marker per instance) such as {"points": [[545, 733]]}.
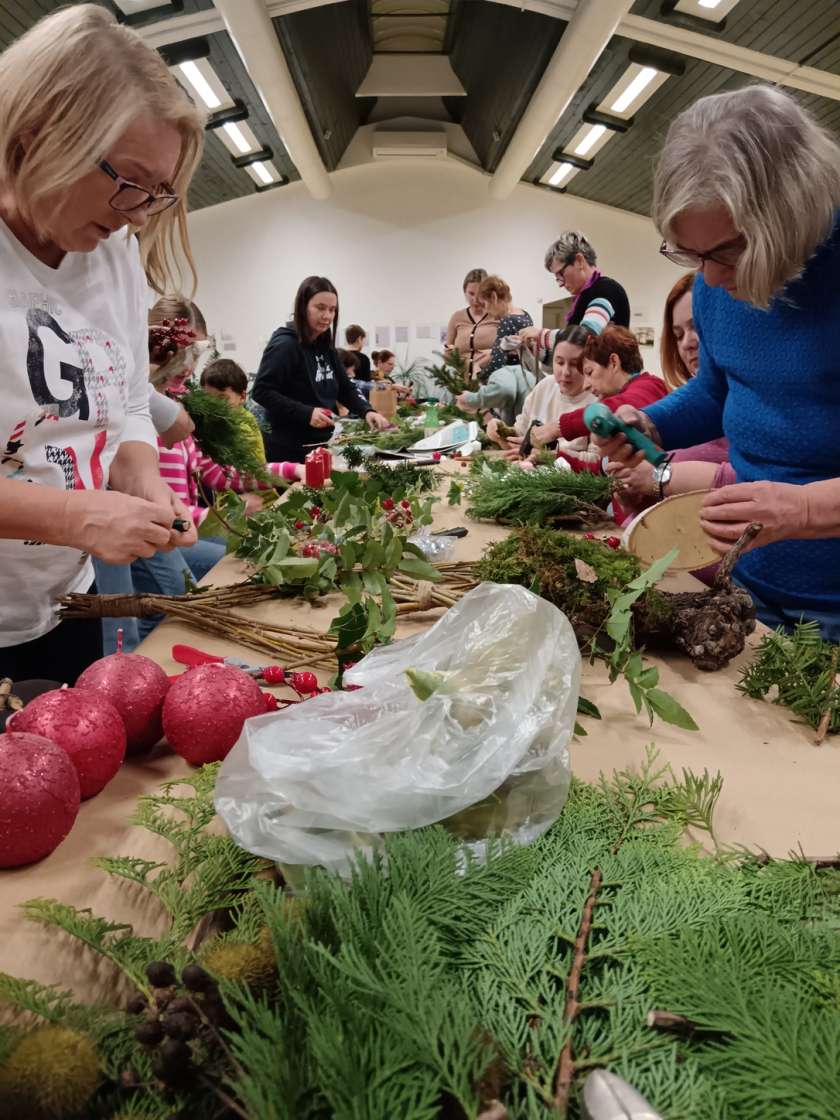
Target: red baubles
{"points": [[86, 725], [136, 686], [205, 709], [40, 797]]}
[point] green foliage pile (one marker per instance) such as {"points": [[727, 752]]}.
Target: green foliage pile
{"points": [[802, 669], [399, 437], [544, 496], [222, 433], [430, 987]]}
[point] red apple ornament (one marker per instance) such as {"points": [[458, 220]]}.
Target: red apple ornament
{"points": [[205, 709], [40, 797], [86, 725], [136, 686]]}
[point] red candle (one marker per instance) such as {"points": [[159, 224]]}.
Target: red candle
{"points": [[314, 470]]}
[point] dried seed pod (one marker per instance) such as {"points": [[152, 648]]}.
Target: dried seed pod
{"points": [[197, 979], [149, 1033], [160, 974]]}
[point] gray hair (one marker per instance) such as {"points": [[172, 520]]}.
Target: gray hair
{"points": [[759, 154], [566, 248]]}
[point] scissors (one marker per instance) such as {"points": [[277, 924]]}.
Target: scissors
{"points": [[609, 1097]]}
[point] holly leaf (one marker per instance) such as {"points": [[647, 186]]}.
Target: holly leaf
{"points": [[587, 708], [669, 710], [350, 626], [418, 569]]}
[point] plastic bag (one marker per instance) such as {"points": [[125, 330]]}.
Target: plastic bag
{"points": [[486, 753]]}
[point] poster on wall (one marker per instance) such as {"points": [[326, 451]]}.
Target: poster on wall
{"points": [[425, 332], [401, 334], [383, 337]]}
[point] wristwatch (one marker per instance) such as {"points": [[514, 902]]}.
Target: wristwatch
{"points": [[661, 477]]}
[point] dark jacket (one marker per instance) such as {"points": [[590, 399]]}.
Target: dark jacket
{"points": [[604, 288], [294, 378]]}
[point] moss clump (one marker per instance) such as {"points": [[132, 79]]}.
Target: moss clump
{"points": [[544, 560], [53, 1072], [241, 961]]}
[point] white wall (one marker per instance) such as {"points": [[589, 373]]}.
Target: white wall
{"points": [[396, 239]]}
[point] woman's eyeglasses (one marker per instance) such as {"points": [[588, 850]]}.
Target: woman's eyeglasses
{"points": [[727, 255], [129, 196]]}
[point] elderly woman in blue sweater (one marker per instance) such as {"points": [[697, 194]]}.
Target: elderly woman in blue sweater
{"points": [[747, 191]]}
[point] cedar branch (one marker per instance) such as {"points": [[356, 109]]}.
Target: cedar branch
{"points": [[825, 718], [566, 1065]]}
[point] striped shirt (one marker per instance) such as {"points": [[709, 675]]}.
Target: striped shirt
{"points": [[190, 473]]}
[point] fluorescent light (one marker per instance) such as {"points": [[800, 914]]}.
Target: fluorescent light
{"points": [[640, 82], [560, 174], [236, 135], [708, 3], [263, 172], [590, 139], [200, 84]]}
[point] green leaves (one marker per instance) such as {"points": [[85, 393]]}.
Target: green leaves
{"points": [[620, 620], [425, 683], [667, 708]]}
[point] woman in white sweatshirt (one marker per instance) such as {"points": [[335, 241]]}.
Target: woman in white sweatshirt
{"points": [[97, 143]]}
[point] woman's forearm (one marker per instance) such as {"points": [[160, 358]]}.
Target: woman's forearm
{"points": [[134, 466], [32, 512], [822, 509]]}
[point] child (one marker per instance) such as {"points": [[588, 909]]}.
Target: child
{"points": [[224, 378]]}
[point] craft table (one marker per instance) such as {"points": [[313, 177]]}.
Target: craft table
{"points": [[781, 793]]}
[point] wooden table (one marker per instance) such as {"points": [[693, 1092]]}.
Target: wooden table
{"points": [[781, 793]]}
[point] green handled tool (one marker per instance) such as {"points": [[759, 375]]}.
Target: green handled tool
{"points": [[604, 423]]}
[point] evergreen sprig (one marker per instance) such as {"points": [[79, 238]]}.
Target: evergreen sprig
{"points": [[222, 433], [543, 496], [803, 669], [452, 374]]}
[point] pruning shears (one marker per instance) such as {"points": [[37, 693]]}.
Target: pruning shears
{"points": [[604, 423], [609, 1097]]}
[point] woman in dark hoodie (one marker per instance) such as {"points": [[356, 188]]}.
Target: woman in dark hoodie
{"points": [[301, 378]]}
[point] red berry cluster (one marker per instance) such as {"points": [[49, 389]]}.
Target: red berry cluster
{"points": [[318, 549], [399, 515], [167, 338]]}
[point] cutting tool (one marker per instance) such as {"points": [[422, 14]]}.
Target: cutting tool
{"points": [[606, 1096], [601, 421]]}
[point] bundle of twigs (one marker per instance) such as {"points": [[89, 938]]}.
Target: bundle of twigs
{"points": [[297, 646]]}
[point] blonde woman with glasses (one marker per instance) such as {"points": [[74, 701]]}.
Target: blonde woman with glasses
{"points": [[747, 192], [97, 143]]}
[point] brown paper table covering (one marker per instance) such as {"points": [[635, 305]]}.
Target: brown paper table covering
{"points": [[780, 792]]}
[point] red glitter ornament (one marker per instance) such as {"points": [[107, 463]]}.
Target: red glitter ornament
{"points": [[40, 797], [205, 709], [136, 686], [84, 724]]}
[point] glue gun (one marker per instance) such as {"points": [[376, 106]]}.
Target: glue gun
{"points": [[604, 423]]}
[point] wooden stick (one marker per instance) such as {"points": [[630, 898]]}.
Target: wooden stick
{"points": [[825, 719], [723, 579], [566, 1065]]}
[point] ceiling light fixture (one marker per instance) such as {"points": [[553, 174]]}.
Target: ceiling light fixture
{"points": [[590, 139], [634, 90], [236, 135], [200, 84], [263, 172], [708, 3], [562, 172]]}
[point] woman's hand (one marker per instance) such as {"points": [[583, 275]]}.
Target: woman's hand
{"points": [[402, 390], [321, 418], [118, 528], [182, 428], [543, 434], [154, 489], [617, 448], [635, 484], [463, 404], [781, 508], [375, 420], [528, 334]]}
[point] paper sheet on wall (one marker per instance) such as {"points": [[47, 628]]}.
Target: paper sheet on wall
{"points": [[424, 331], [401, 334], [383, 336]]}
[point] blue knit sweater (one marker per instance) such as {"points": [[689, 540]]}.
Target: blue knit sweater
{"points": [[770, 382]]}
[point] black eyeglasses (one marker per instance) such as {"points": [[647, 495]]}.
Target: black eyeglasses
{"points": [[727, 255], [130, 196], [561, 272]]}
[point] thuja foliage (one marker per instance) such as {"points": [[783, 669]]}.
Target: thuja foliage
{"points": [[431, 986], [540, 497], [803, 669], [221, 432], [452, 373], [399, 437]]}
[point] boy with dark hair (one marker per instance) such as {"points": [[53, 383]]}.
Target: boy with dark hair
{"points": [[225, 378]]}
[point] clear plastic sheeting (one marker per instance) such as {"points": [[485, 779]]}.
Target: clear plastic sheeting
{"points": [[486, 752]]}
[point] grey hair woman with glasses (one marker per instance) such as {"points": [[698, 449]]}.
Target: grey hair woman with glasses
{"points": [[97, 143], [747, 191]]}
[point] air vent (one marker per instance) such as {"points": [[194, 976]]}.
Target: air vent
{"points": [[409, 145]]}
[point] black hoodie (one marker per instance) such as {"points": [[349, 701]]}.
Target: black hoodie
{"points": [[293, 379]]}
